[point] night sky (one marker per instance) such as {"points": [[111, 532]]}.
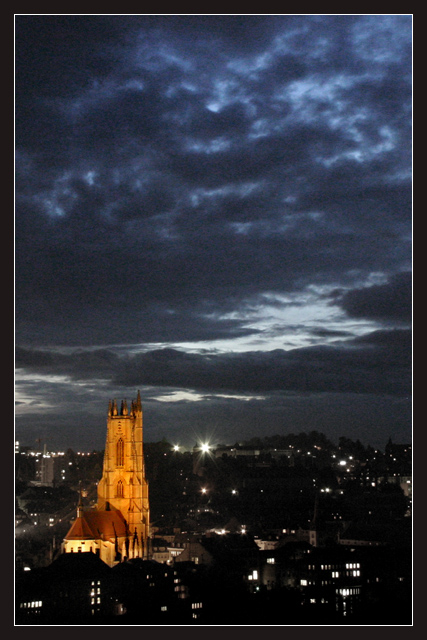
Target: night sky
{"points": [[217, 211]]}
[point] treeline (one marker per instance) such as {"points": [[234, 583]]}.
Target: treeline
{"points": [[310, 440]]}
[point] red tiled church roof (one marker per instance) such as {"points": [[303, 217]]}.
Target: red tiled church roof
{"points": [[92, 525]]}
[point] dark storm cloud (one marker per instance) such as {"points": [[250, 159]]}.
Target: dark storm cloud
{"points": [[377, 363], [387, 302], [182, 179], [315, 369]]}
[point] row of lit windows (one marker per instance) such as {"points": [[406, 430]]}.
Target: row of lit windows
{"points": [[31, 605], [335, 574], [79, 549], [329, 567], [349, 592], [196, 605], [355, 572]]}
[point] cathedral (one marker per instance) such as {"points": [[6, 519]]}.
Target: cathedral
{"points": [[118, 528]]}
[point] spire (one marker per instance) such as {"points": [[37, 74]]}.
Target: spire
{"points": [[114, 412], [138, 406], [80, 504], [109, 408], [124, 408]]}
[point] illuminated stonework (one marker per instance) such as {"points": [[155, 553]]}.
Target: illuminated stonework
{"points": [[119, 526]]}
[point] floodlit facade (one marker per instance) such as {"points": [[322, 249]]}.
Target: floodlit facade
{"points": [[118, 527]]}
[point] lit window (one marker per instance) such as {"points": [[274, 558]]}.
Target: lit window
{"points": [[120, 453], [119, 489]]}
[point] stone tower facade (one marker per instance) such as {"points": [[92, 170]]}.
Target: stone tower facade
{"points": [[123, 486]]}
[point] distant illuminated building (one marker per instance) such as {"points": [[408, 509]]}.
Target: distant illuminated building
{"points": [[118, 527], [45, 468]]}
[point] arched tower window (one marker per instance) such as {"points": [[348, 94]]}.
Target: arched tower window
{"points": [[120, 453], [119, 489]]}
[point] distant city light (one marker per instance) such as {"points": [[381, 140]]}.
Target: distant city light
{"points": [[176, 447]]}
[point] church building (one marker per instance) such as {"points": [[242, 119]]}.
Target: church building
{"points": [[118, 528]]}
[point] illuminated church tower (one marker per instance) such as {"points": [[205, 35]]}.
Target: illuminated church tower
{"points": [[118, 528], [123, 486]]}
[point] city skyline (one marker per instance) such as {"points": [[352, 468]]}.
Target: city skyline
{"points": [[216, 211]]}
